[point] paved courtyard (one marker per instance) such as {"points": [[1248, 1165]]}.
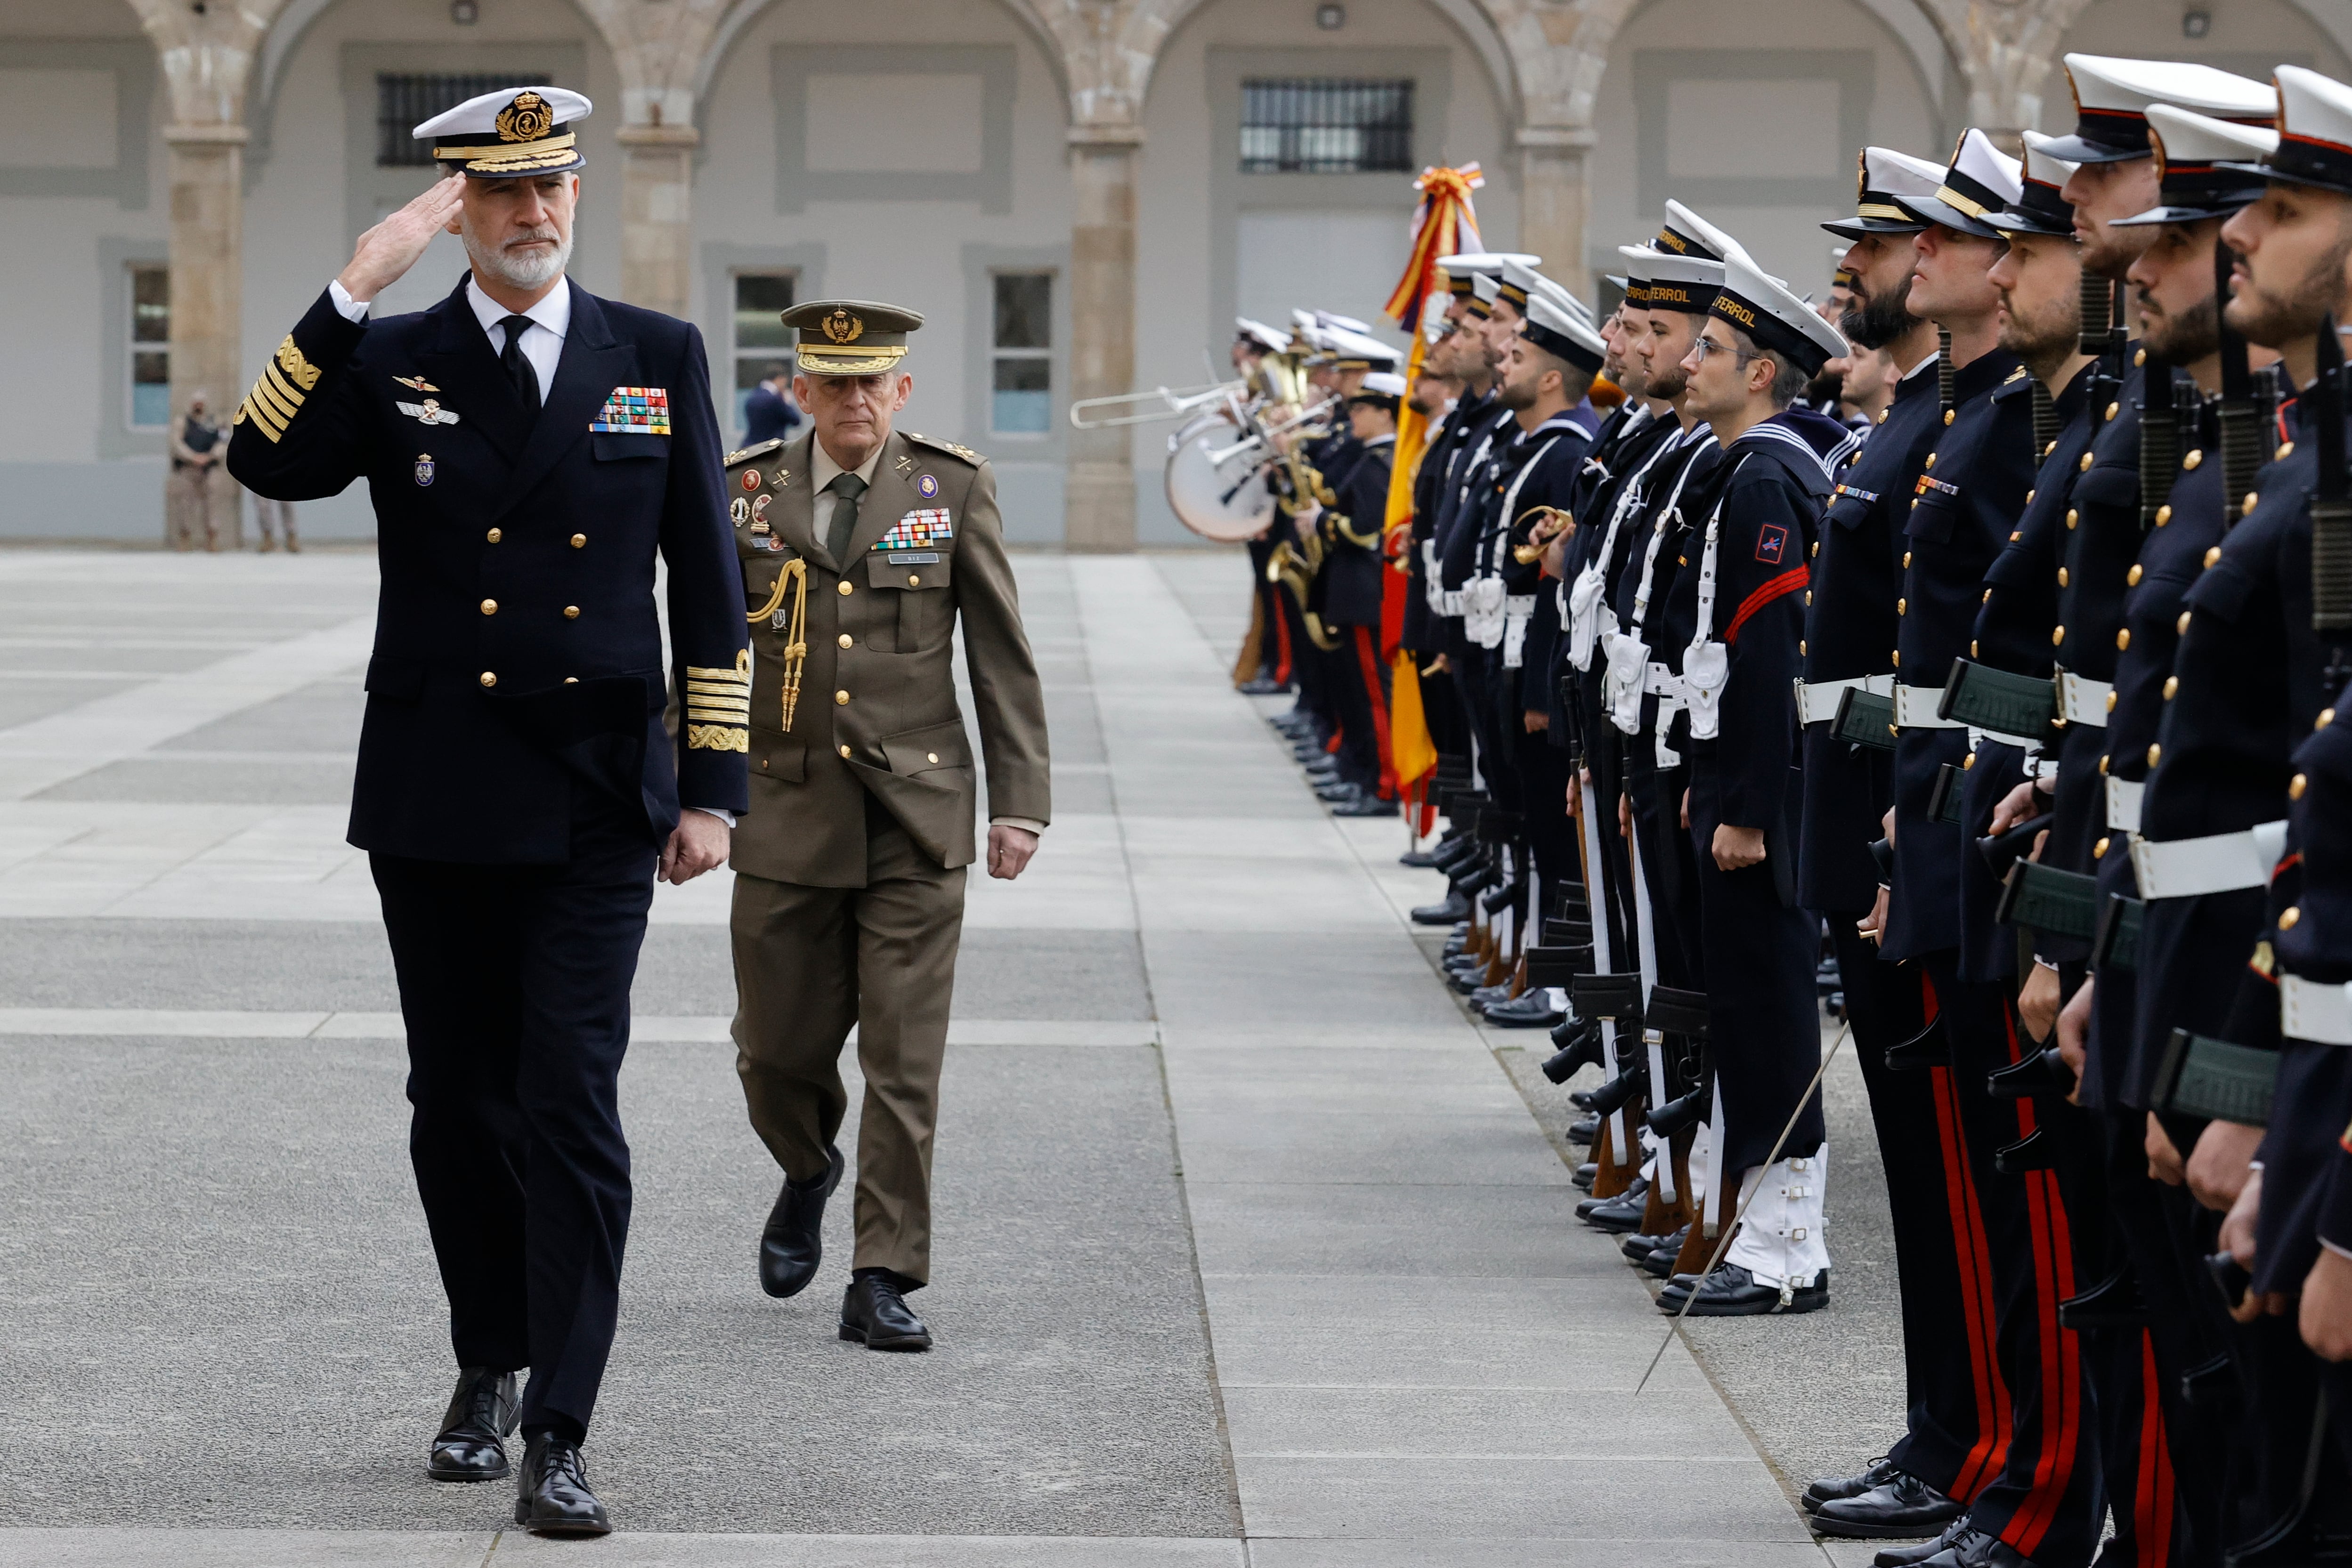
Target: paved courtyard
{"points": [[1252, 1248]]}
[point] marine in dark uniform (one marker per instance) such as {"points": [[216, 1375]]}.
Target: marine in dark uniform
{"points": [[1350, 583], [534, 454]]}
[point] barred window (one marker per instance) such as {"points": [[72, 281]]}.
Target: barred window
{"points": [[403, 102], [1324, 125]]}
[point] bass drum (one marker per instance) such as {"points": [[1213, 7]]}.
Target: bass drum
{"points": [[1218, 493]]}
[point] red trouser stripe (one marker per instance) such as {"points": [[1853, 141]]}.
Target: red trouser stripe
{"points": [[1281, 639], [2060, 1352], [1991, 1450], [1368, 661], [2152, 1507]]}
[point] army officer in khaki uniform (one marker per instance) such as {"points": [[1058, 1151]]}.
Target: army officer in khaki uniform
{"points": [[861, 548]]}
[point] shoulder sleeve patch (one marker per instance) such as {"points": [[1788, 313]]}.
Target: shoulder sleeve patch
{"points": [[748, 453], [939, 444]]}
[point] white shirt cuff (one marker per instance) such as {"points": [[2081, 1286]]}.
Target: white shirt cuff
{"points": [[350, 309], [1027, 824], [725, 817]]}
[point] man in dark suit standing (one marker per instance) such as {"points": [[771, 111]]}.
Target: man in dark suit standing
{"points": [[768, 414], [530, 449]]}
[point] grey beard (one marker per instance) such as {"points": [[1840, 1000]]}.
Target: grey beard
{"points": [[517, 270]]}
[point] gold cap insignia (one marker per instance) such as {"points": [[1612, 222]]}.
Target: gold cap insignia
{"points": [[527, 118], [842, 327]]}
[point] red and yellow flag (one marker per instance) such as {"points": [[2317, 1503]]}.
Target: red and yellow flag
{"points": [[1445, 223]]}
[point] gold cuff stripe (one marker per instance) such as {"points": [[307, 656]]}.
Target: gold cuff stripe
{"points": [[717, 707], [726, 688], [266, 419], [285, 390], [716, 737], [268, 397], [501, 152], [305, 374], [739, 676]]}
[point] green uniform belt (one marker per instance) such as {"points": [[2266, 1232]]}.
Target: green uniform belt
{"points": [[1985, 698], [2214, 1080], [1607, 997], [1944, 799], [2117, 943], [1865, 718], [2052, 902], [1558, 966]]}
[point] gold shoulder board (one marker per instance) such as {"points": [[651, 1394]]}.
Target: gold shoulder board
{"points": [[747, 453]]}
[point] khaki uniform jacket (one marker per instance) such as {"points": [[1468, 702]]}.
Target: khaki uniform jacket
{"points": [[877, 710]]}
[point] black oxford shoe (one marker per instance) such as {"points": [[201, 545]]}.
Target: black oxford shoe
{"points": [[470, 1446], [875, 1314], [1531, 1010], [1455, 907], [792, 1244], [1978, 1549], [1881, 1471], [1912, 1556], [555, 1499], [1731, 1291], [1899, 1508]]}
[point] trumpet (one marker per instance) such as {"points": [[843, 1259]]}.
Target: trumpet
{"points": [[1549, 524], [1177, 403]]}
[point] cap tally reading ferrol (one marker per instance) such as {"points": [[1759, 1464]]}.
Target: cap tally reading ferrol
{"points": [[850, 337], [2206, 168], [1638, 260], [1982, 180], [1780, 323], [1685, 283], [1706, 241], [509, 134], [2112, 96], [1562, 335], [2315, 124], [1886, 176], [2039, 208]]}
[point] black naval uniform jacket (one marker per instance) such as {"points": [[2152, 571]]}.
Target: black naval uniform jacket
{"points": [[2012, 633], [1596, 474], [1543, 467], [1641, 455], [1459, 513], [518, 654], [1353, 568], [1850, 634], [1965, 507], [1419, 631]]}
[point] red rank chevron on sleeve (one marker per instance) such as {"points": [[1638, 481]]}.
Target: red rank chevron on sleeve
{"points": [[1776, 587]]}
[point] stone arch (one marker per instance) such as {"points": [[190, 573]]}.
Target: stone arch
{"points": [[701, 54]]}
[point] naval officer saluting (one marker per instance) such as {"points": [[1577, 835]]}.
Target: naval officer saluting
{"points": [[528, 449]]}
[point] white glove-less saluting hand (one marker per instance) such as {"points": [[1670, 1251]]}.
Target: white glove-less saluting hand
{"points": [[387, 251]]}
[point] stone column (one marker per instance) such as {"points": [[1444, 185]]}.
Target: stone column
{"points": [[656, 215], [1555, 196], [1099, 494], [207, 170]]}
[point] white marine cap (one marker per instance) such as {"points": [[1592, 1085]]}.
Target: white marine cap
{"points": [[1982, 181], [1344, 323], [1359, 348], [1684, 224], [1485, 288], [2039, 208], [2314, 147], [1781, 324], [1562, 335], [1380, 384], [1884, 176], [2112, 96], [1273, 339], [1484, 261], [2208, 167], [511, 133]]}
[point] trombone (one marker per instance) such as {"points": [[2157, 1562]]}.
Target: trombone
{"points": [[1178, 402]]}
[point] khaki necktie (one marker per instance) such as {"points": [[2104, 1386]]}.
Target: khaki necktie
{"points": [[845, 488]]}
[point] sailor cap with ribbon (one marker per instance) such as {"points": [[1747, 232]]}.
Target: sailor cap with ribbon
{"points": [[1563, 334], [1272, 340], [1781, 324], [1981, 180], [1485, 288], [1521, 282], [850, 337], [2315, 124], [2040, 209], [1382, 389], [2112, 96], [2207, 168], [509, 134], [1670, 282], [1358, 351], [1705, 239], [1464, 266], [1885, 175], [1344, 323], [1636, 282]]}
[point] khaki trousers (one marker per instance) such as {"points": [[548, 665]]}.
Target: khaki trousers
{"points": [[809, 963], [200, 507]]}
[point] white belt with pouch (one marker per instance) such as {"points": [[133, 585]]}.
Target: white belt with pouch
{"points": [[1914, 709], [2310, 1011], [2082, 700], [1449, 602], [2122, 804], [1482, 611], [1817, 701], [2218, 862], [1518, 610], [1661, 682]]}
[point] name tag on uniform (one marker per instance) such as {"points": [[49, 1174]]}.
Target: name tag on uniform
{"points": [[919, 528], [634, 411], [914, 558]]}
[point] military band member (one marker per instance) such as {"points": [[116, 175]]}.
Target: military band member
{"points": [[531, 450], [1264, 667], [864, 550], [1351, 586]]}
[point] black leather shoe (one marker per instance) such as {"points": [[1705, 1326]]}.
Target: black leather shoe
{"points": [[1584, 1129], [1337, 790], [875, 1313], [1455, 907], [1637, 1246], [1365, 804], [1584, 1174], [470, 1446], [1532, 1010], [555, 1499], [1485, 997], [1618, 1216], [1911, 1556], [1882, 1471], [790, 1246], [1975, 1549], [1898, 1509], [1660, 1264], [1731, 1291], [1264, 686]]}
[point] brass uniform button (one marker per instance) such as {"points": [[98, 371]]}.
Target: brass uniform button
{"points": [[914, 581], [1931, 460], [2212, 555], [841, 699], [579, 541], [2195, 456], [2102, 768], [2073, 516], [489, 678], [2131, 577], [1800, 647], [2016, 535], [2029, 494], [2111, 702], [2284, 449], [2326, 717], [1986, 599], [2057, 636], [1809, 598], [2181, 625], [2163, 515], [571, 613], [1897, 657], [846, 640], [1901, 607], [1972, 642], [2139, 357], [2153, 754], [2288, 916], [845, 589], [2123, 639], [2295, 786], [1907, 560], [930, 756], [1881, 416], [1968, 762], [2171, 687], [1816, 549], [494, 536], [1948, 416], [2114, 409], [489, 607], [2062, 576], [2246, 508], [574, 680], [2084, 466], [845, 751], [2099, 850]]}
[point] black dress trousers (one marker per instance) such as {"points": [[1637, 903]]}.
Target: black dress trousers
{"points": [[514, 986]]}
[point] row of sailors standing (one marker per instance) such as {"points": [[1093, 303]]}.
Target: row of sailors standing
{"points": [[2030, 699]]}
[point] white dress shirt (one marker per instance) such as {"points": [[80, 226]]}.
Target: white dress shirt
{"points": [[542, 345]]}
